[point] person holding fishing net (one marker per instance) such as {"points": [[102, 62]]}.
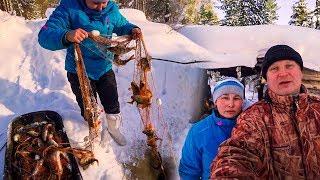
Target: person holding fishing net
{"points": [[71, 23]]}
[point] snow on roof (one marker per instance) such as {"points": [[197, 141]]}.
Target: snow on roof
{"points": [[241, 45]]}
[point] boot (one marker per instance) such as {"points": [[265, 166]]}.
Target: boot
{"points": [[113, 121]]}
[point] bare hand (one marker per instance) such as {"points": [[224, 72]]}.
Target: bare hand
{"points": [[136, 33], [77, 35]]}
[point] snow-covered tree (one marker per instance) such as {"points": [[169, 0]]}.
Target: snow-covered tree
{"points": [[271, 11], [315, 16], [300, 14], [232, 11], [191, 15], [207, 14], [29, 9], [17, 7], [136, 4], [164, 11], [248, 12], [6, 5]]}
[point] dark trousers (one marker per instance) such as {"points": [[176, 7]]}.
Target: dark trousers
{"points": [[106, 87]]}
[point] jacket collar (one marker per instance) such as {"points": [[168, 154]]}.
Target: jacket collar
{"points": [[220, 121], [287, 101]]}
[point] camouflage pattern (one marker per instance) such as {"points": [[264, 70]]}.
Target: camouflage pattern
{"points": [[276, 138]]}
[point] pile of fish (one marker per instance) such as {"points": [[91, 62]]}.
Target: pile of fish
{"points": [[39, 151]]}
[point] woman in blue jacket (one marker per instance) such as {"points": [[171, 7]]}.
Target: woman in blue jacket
{"points": [[70, 23], [205, 136]]}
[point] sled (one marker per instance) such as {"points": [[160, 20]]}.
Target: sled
{"points": [[11, 170]]}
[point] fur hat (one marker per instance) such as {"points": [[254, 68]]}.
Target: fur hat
{"points": [[227, 86], [277, 53]]}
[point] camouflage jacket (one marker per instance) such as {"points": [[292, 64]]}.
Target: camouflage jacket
{"points": [[276, 138]]}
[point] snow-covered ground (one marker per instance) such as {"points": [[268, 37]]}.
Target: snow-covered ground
{"points": [[34, 79]]}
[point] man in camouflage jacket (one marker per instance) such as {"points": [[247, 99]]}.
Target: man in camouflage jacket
{"points": [[278, 137]]}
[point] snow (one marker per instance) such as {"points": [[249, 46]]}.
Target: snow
{"points": [[34, 79], [235, 46]]}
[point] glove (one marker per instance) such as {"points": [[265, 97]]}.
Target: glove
{"points": [[136, 33]]}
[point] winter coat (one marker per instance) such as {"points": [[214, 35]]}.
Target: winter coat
{"points": [[201, 146], [276, 138], [73, 14]]}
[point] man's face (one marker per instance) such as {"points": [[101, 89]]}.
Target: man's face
{"points": [[284, 77], [98, 6]]}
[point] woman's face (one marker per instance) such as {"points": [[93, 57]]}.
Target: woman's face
{"points": [[229, 105]]}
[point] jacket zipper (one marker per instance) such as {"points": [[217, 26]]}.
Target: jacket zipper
{"points": [[295, 125]]}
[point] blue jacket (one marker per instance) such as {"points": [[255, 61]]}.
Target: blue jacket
{"points": [[201, 146], [73, 14]]}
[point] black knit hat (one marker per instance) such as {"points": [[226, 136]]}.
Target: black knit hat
{"points": [[277, 53]]}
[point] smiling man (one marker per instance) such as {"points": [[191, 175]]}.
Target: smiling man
{"points": [[279, 136]]}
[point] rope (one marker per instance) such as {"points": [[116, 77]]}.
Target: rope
{"points": [[164, 125], [177, 62], [101, 54]]}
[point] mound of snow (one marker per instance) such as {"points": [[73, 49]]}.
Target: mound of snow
{"points": [[133, 14], [49, 11]]}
